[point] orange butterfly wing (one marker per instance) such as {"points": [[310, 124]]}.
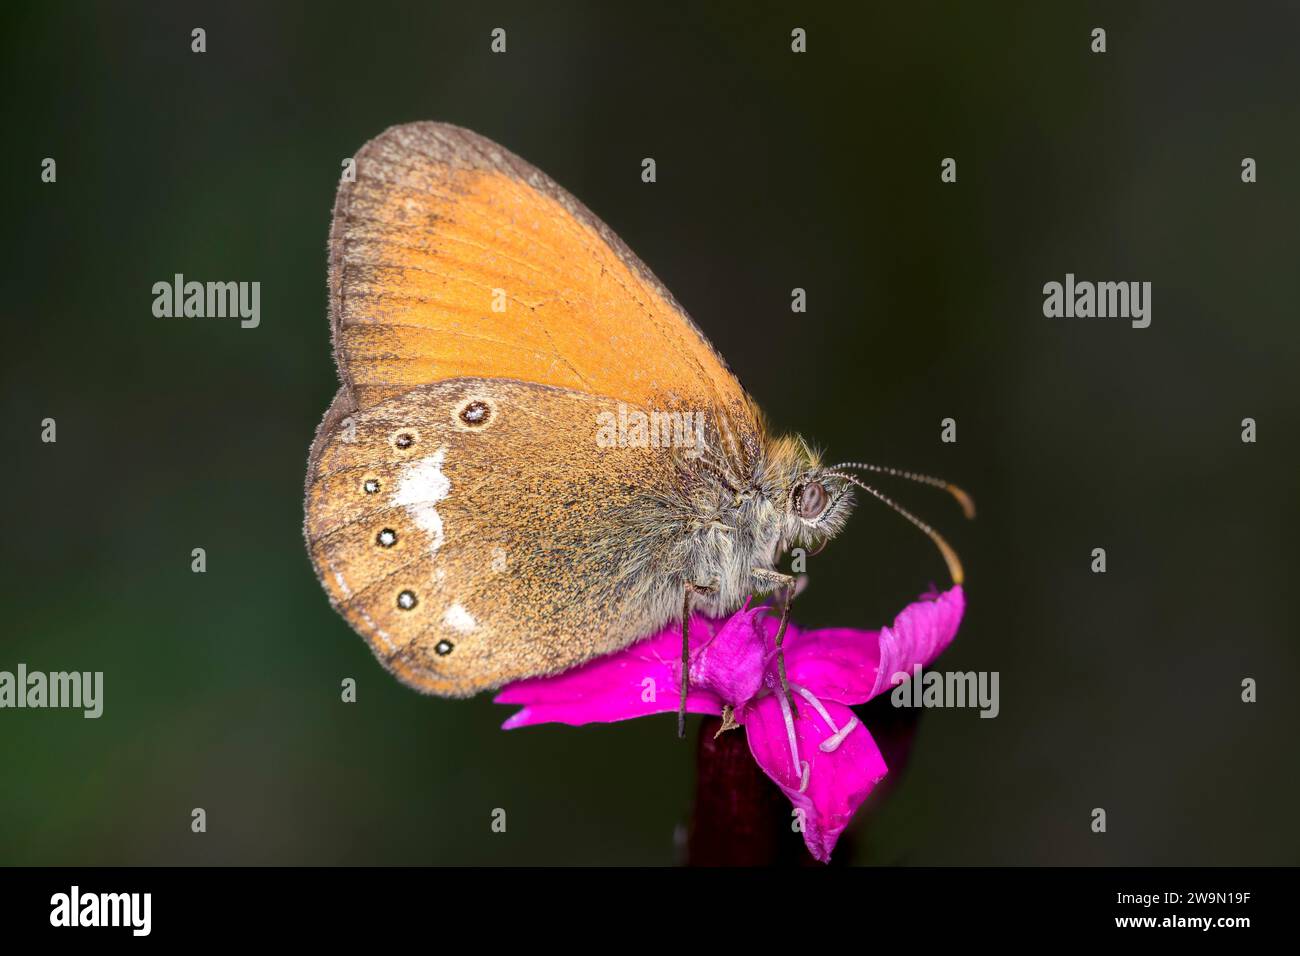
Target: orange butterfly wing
{"points": [[451, 257]]}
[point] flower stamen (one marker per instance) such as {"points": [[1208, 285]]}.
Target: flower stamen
{"points": [[817, 706], [831, 743], [789, 732]]}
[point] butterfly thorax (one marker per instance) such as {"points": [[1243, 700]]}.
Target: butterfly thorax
{"points": [[740, 521]]}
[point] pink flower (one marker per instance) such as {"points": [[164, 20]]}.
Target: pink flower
{"points": [[819, 753]]}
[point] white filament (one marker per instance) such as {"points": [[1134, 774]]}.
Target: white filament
{"points": [[817, 706], [830, 743], [789, 731]]}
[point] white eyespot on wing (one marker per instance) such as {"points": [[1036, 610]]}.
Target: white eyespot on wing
{"points": [[419, 489], [459, 619]]}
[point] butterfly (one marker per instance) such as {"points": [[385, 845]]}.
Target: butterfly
{"points": [[535, 457]]}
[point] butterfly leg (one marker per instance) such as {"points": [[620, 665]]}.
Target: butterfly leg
{"points": [[784, 585], [687, 591]]}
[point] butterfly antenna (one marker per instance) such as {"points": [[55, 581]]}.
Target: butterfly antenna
{"points": [[949, 555], [967, 503]]}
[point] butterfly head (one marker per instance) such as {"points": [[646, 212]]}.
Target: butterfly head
{"points": [[818, 498], [814, 504], [818, 507]]}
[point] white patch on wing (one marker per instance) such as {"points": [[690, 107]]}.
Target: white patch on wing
{"points": [[460, 619], [421, 486]]}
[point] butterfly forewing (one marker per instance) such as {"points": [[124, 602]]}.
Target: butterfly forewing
{"points": [[451, 257]]}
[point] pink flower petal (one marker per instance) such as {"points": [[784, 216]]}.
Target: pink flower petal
{"points": [[641, 680], [731, 665], [852, 666], [839, 775]]}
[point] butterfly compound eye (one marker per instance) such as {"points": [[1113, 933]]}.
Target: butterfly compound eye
{"points": [[811, 499]]}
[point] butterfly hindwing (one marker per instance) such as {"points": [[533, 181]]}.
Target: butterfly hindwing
{"points": [[479, 531]]}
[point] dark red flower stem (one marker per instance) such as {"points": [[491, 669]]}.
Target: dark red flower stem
{"points": [[740, 817]]}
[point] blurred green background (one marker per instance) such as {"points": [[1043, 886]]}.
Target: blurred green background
{"points": [[775, 171]]}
